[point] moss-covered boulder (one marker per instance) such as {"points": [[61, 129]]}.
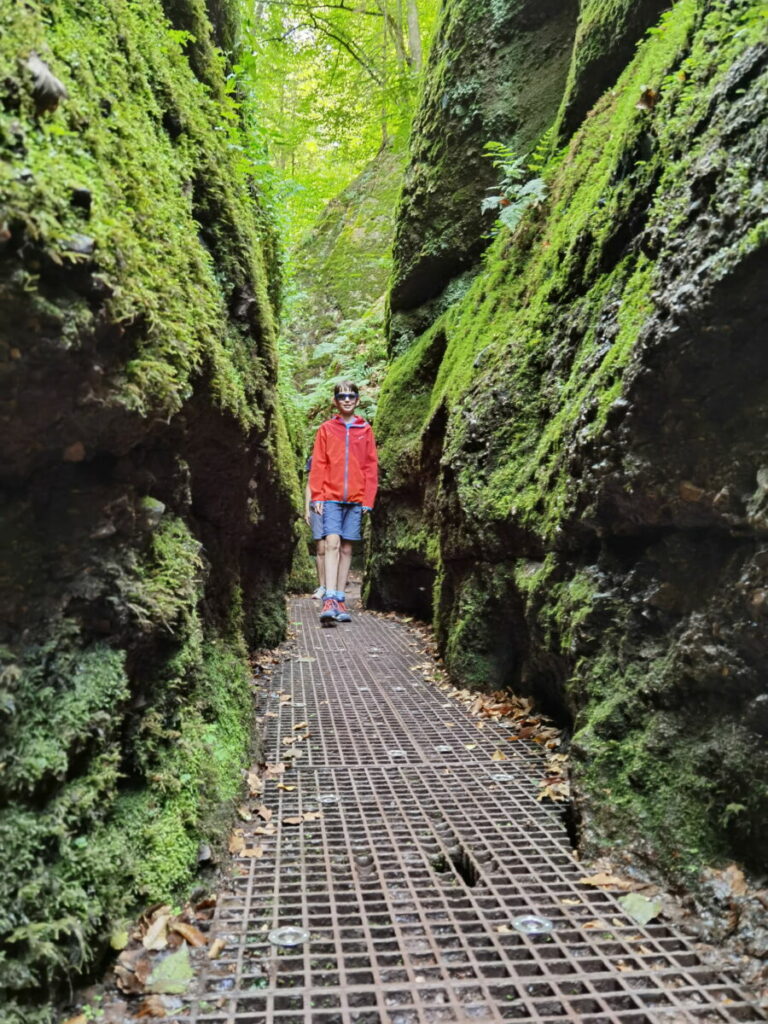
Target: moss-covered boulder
{"points": [[496, 73], [146, 475], [574, 456]]}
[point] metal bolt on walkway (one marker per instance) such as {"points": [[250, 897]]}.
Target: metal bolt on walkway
{"points": [[400, 860]]}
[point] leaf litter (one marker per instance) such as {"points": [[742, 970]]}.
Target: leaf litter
{"points": [[503, 708]]}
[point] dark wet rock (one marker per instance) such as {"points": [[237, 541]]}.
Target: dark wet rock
{"points": [[82, 199]]}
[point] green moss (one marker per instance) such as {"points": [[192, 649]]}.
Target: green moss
{"points": [[675, 783], [76, 698], [163, 206], [98, 849]]}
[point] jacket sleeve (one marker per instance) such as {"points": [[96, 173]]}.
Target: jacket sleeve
{"points": [[318, 472], [371, 472]]}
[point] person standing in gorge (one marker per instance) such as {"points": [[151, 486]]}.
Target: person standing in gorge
{"points": [[343, 481]]}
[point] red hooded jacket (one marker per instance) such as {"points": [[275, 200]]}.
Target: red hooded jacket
{"points": [[345, 466]]}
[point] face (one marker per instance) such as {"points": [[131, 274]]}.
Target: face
{"points": [[346, 402]]}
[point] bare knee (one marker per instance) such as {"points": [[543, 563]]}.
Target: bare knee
{"points": [[321, 548], [332, 542]]}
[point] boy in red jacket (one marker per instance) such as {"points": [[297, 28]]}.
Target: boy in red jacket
{"points": [[342, 481]]}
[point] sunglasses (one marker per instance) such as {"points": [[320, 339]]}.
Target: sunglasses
{"points": [[346, 396]]}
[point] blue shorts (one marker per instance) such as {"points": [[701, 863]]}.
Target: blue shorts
{"points": [[344, 518], [316, 524]]}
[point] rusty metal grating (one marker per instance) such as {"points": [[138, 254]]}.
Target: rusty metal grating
{"points": [[409, 880]]}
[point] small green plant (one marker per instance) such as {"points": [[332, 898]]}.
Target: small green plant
{"points": [[513, 195]]}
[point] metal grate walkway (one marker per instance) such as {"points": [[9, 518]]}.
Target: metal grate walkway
{"points": [[416, 855]]}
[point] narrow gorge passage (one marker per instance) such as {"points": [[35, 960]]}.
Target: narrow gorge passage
{"points": [[414, 857]]}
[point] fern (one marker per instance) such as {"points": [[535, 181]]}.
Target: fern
{"points": [[513, 195]]}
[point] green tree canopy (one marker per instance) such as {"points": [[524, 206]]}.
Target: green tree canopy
{"points": [[327, 83]]}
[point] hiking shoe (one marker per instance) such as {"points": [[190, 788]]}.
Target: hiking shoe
{"points": [[319, 594], [343, 615], [330, 612]]}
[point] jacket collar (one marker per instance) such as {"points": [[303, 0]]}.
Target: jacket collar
{"points": [[358, 421]]}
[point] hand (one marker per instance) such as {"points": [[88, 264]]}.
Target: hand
{"points": [[307, 518], [317, 506]]}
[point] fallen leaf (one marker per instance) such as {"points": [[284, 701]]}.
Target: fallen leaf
{"points": [[217, 948], [567, 902], [312, 815], [244, 813], [734, 880], [285, 698], [288, 789], [156, 936], [289, 739], [640, 908], [253, 851], [597, 923], [504, 929], [295, 819], [79, 1019], [255, 785], [470, 746], [604, 881], [498, 756], [173, 974], [266, 830], [301, 725], [127, 981], [188, 931], [264, 812], [449, 725], [648, 98], [152, 1006], [236, 843]]}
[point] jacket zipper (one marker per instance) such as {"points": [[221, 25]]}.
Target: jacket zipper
{"points": [[346, 461]]}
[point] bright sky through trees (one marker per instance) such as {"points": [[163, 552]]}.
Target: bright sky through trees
{"points": [[328, 82]]}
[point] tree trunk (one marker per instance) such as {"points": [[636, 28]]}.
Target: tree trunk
{"points": [[394, 26], [414, 37]]}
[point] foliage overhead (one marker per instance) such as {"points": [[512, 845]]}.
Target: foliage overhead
{"points": [[328, 84]]}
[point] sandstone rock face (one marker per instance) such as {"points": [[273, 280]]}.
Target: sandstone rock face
{"points": [[574, 454], [147, 512]]}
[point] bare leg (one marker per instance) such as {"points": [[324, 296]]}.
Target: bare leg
{"points": [[332, 547], [345, 561], [320, 559]]}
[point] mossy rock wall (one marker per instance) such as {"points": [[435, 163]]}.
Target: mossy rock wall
{"points": [[496, 72], [574, 458], [148, 488], [343, 265]]}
